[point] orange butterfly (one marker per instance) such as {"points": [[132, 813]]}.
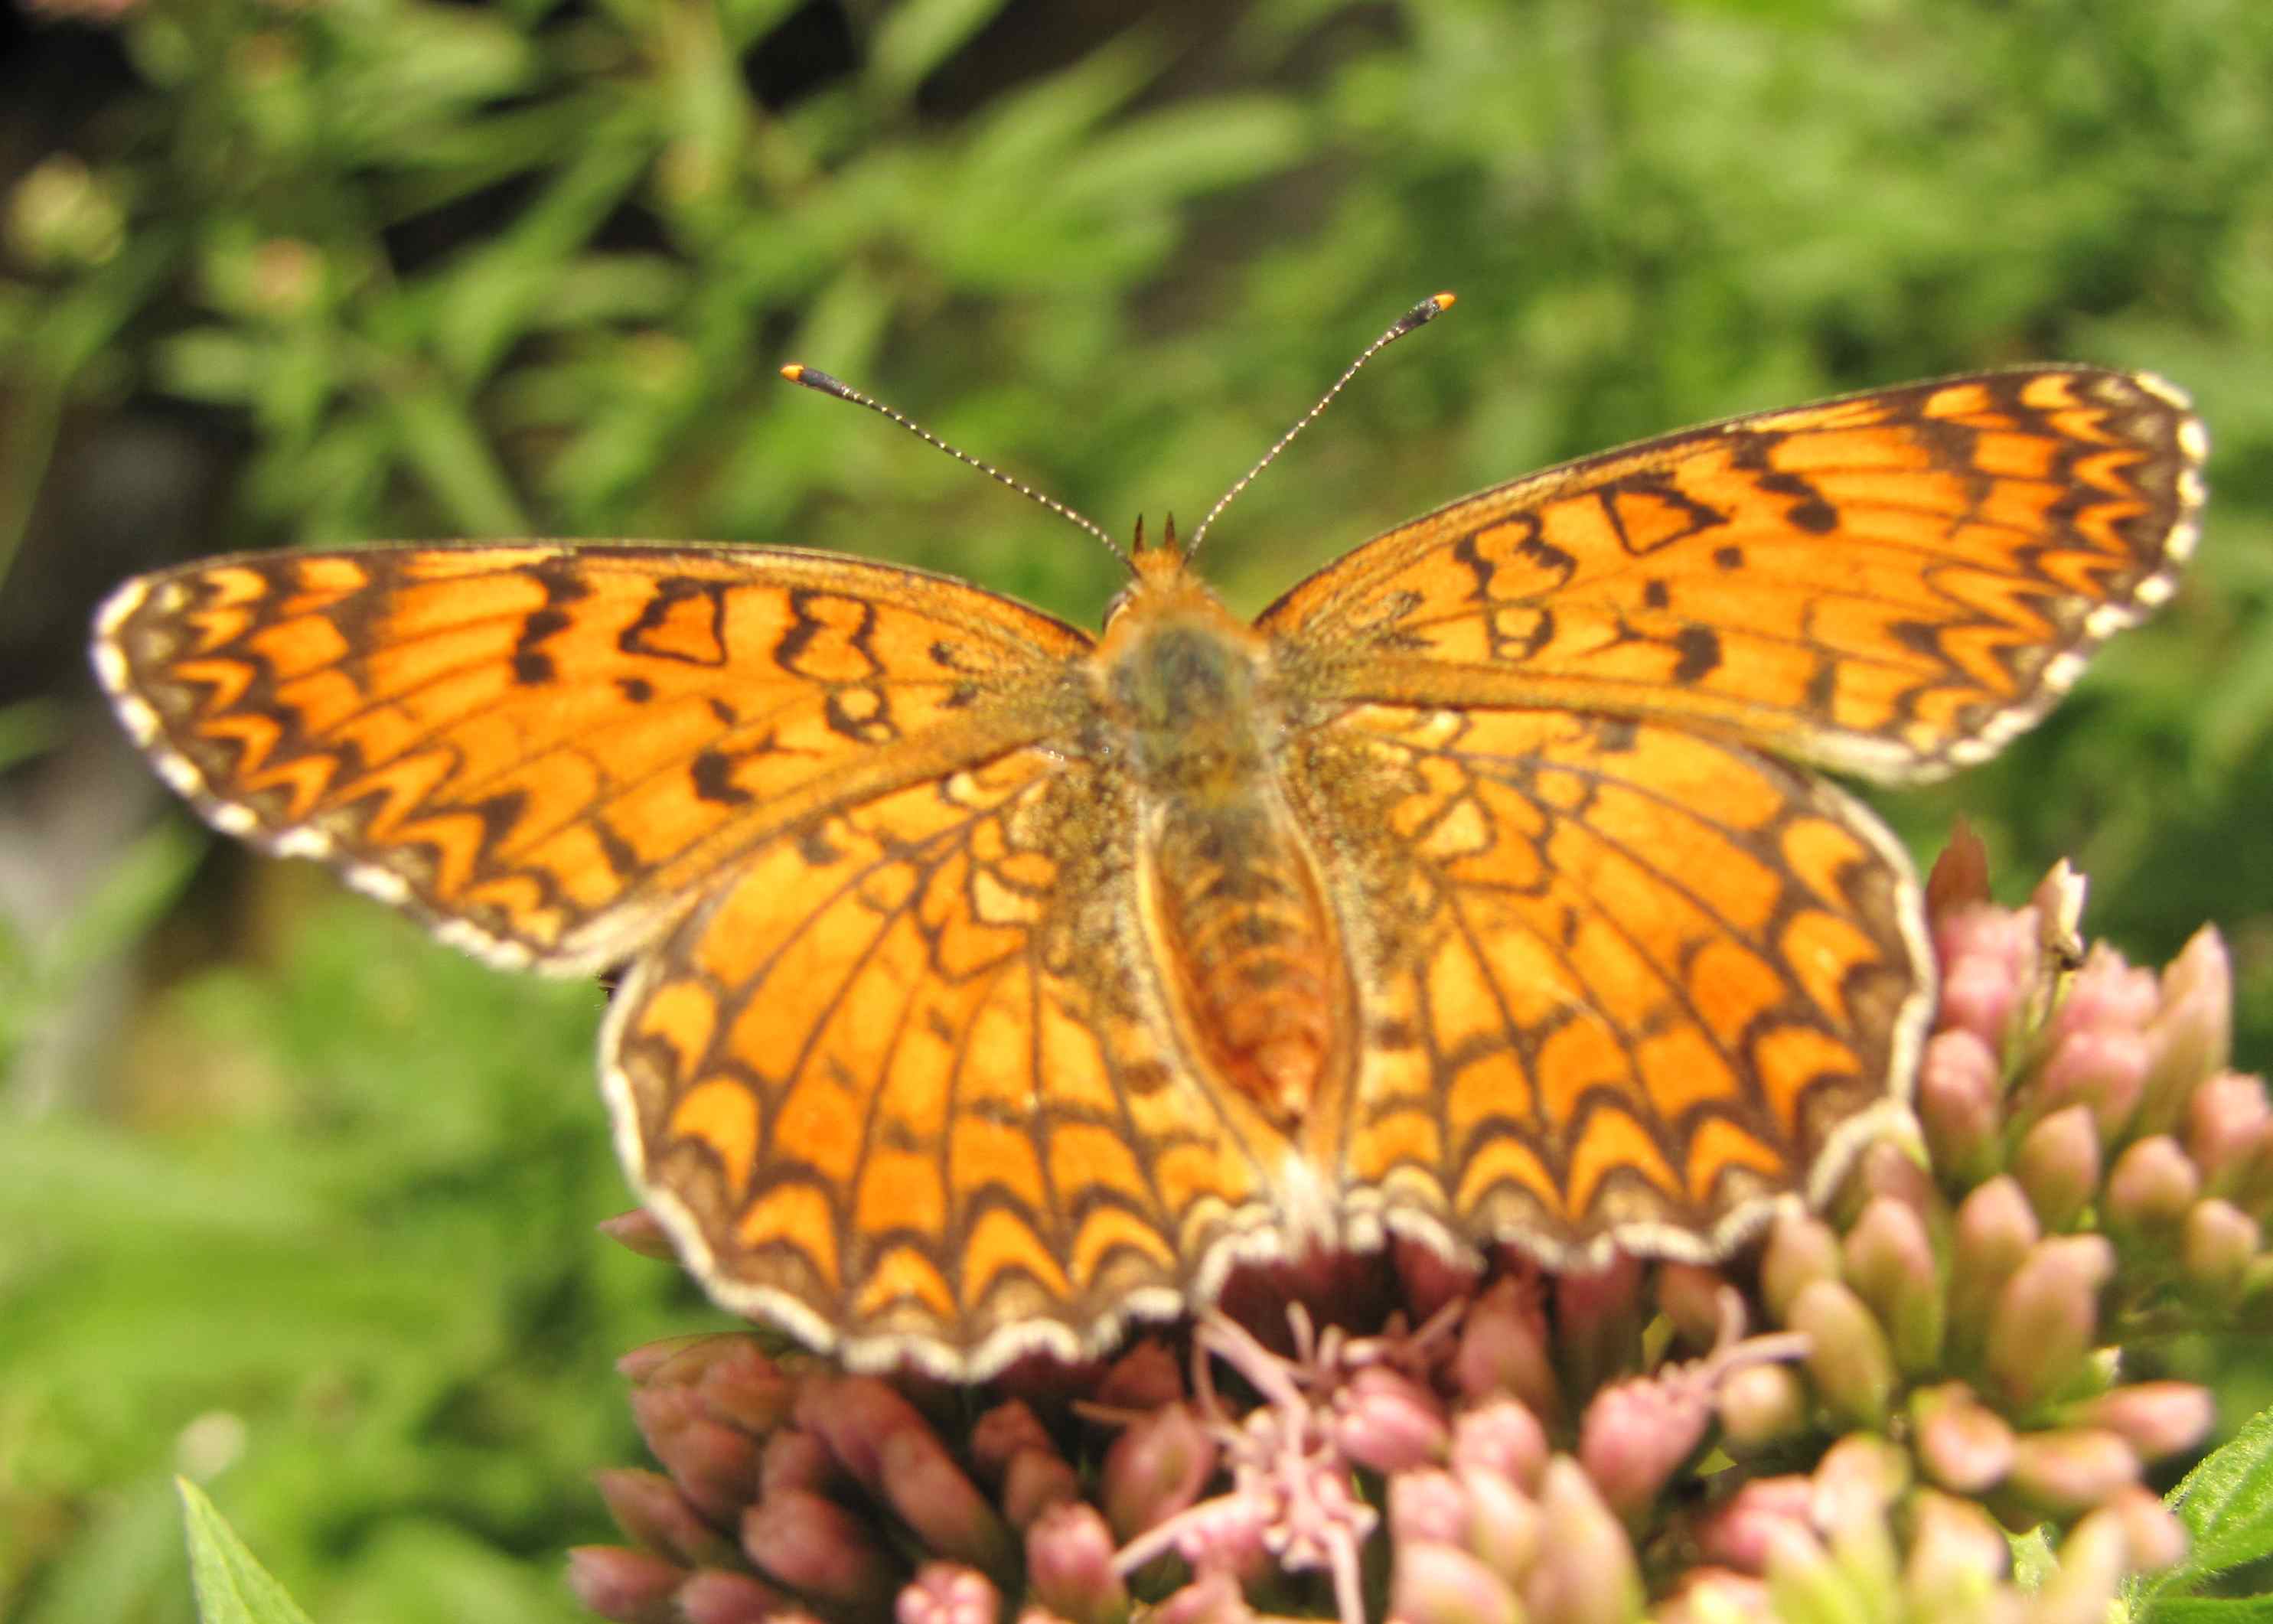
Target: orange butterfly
{"points": [[990, 984]]}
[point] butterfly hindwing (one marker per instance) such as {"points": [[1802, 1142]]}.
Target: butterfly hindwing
{"points": [[1625, 981], [903, 1085]]}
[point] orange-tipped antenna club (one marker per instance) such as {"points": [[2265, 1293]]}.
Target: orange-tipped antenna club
{"points": [[812, 378], [1427, 310]]}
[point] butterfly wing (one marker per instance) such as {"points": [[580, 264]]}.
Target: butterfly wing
{"points": [[905, 1086], [890, 1061], [1892, 585], [1625, 981], [1630, 977], [542, 751]]}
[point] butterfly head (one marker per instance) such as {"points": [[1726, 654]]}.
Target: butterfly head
{"points": [[1160, 577], [1147, 556]]}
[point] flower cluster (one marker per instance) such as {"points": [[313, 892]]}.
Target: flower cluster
{"points": [[1843, 1421]]}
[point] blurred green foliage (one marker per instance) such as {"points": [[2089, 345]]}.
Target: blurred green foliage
{"points": [[309, 1217]]}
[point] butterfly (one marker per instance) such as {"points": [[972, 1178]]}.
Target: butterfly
{"points": [[990, 984]]}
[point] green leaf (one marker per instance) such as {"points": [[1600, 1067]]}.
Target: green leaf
{"points": [[1188, 151], [141, 882], [2227, 1501], [27, 728], [917, 37], [2210, 1610], [232, 1588], [439, 438], [489, 299]]}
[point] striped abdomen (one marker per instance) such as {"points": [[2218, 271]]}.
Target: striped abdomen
{"points": [[1248, 937]]}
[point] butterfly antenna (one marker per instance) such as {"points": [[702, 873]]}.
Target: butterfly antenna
{"points": [[814, 378], [1425, 312]]}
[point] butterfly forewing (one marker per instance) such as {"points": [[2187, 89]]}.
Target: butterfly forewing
{"points": [[544, 751], [1892, 583]]}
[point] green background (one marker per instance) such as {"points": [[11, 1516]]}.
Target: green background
{"points": [[294, 1202]]}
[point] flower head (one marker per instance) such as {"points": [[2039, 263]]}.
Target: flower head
{"points": [[1399, 1434]]}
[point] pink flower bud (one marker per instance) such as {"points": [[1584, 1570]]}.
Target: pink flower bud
{"points": [[2058, 1166], [794, 1458], [1500, 1435], [739, 1384], [1036, 1479], [2226, 1120], [1156, 1468], [726, 1595], [1960, 1102], [2071, 1470], [2156, 1539], [1503, 1523], [1891, 1168], [921, 1482], [1762, 1405], [1385, 1419], [1635, 1433], [1859, 1477], [1427, 1507], [2192, 1033], [651, 1362], [1995, 1228], [650, 1510], [2216, 1246], [716, 1466], [629, 1587], [637, 1231], [2083, 1584], [948, 1593], [2047, 1317], [2103, 1069], [1812, 1582], [1847, 1357], [1801, 1248], [1701, 1303], [1586, 1573], [853, 1415], [1957, 1552], [2157, 1418], [1745, 1531], [2106, 994], [1988, 959], [1069, 1565], [1890, 1263], [1002, 1431], [2152, 1186], [1503, 1348], [1598, 1319], [810, 1543], [1963, 1445], [1444, 1584]]}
